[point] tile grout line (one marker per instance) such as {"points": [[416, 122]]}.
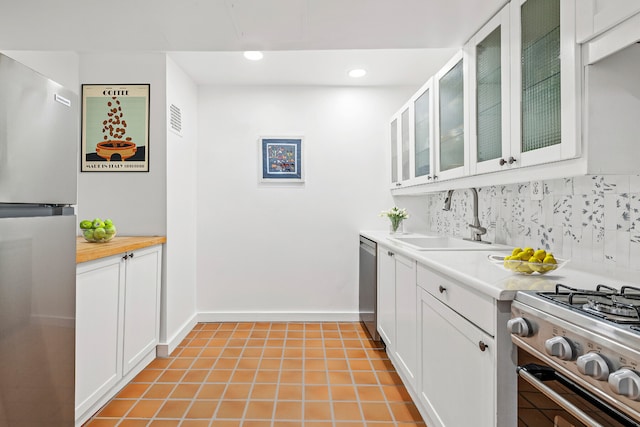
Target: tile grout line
{"points": [[350, 337]]}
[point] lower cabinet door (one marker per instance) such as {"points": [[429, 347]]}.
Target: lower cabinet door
{"points": [[99, 292], [141, 305], [387, 297], [457, 382], [406, 318]]}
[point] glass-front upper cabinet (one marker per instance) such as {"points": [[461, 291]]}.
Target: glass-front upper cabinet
{"points": [[450, 119], [394, 150], [405, 137], [423, 134], [489, 78], [545, 81], [401, 138]]}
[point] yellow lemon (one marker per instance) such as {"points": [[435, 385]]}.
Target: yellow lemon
{"points": [[549, 259], [524, 268], [540, 254], [516, 251], [524, 256]]}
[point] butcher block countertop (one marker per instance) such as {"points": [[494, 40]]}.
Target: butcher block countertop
{"points": [[86, 251]]}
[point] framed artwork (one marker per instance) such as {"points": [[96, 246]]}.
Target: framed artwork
{"points": [[281, 159], [115, 128]]}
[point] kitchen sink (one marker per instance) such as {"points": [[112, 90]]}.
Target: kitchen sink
{"points": [[441, 243]]}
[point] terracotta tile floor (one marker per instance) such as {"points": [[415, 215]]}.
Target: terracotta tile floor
{"points": [[266, 375]]}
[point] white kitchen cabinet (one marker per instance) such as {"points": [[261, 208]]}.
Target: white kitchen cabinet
{"points": [[489, 92], [401, 140], [594, 17], [406, 298], [465, 355], [99, 296], [393, 138], [412, 141], [423, 149], [141, 306], [545, 82], [397, 311], [117, 324], [513, 112], [451, 119], [458, 384], [386, 305]]}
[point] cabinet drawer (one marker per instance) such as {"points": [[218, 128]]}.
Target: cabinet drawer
{"points": [[477, 308]]}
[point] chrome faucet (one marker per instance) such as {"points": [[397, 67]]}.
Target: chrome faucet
{"points": [[476, 229]]}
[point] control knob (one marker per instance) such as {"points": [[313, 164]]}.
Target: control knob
{"points": [[594, 365], [559, 347], [626, 383], [520, 326]]}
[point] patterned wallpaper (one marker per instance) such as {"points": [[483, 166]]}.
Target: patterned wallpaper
{"points": [[588, 219]]}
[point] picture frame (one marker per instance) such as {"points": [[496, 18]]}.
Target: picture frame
{"points": [[281, 159], [115, 128]]}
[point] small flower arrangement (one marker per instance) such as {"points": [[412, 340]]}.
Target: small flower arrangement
{"points": [[396, 216]]}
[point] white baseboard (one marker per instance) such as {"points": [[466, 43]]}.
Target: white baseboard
{"points": [[277, 316], [165, 349]]}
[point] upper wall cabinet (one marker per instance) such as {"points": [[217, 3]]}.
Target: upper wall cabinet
{"points": [[393, 137], [412, 150], [593, 17], [607, 26], [545, 81], [451, 122], [423, 141], [489, 113], [509, 100], [401, 140]]}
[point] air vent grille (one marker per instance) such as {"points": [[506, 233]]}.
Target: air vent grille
{"points": [[175, 119]]}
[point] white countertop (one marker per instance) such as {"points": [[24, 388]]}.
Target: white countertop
{"points": [[472, 268]]}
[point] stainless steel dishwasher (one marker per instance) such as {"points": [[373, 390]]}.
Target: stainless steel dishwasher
{"points": [[368, 286]]}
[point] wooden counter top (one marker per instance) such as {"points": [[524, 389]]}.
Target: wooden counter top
{"points": [[86, 251]]}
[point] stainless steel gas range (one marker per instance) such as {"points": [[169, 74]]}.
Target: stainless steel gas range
{"points": [[579, 356]]}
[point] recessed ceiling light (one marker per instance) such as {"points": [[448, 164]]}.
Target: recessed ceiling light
{"points": [[358, 72], [253, 55]]}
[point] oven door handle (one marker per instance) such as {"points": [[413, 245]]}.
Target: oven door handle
{"points": [[558, 399]]}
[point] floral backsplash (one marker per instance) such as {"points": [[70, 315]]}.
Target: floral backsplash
{"points": [[589, 219]]}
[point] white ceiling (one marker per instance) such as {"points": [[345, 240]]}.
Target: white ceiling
{"points": [[207, 34]]}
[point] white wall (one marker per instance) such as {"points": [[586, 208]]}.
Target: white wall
{"points": [[59, 66], [284, 252], [135, 201], [178, 296]]}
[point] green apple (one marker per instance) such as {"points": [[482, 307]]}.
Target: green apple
{"points": [[88, 234], [98, 223], [99, 233], [110, 230], [108, 222], [86, 224]]}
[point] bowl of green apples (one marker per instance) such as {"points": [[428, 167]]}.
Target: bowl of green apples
{"points": [[97, 230]]}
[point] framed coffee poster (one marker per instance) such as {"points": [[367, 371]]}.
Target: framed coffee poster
{"points": [[115, 128]]}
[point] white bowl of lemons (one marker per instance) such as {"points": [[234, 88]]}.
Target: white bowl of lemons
{"points": [[528, 261], [97, 230]]}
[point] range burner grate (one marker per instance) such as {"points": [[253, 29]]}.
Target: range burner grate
{"points": [[605, 302]]}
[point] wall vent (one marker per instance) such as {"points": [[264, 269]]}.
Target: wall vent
{"points": [[175, 119]]}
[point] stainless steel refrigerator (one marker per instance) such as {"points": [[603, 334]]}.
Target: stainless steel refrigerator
{"points": [[38, 183]]}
